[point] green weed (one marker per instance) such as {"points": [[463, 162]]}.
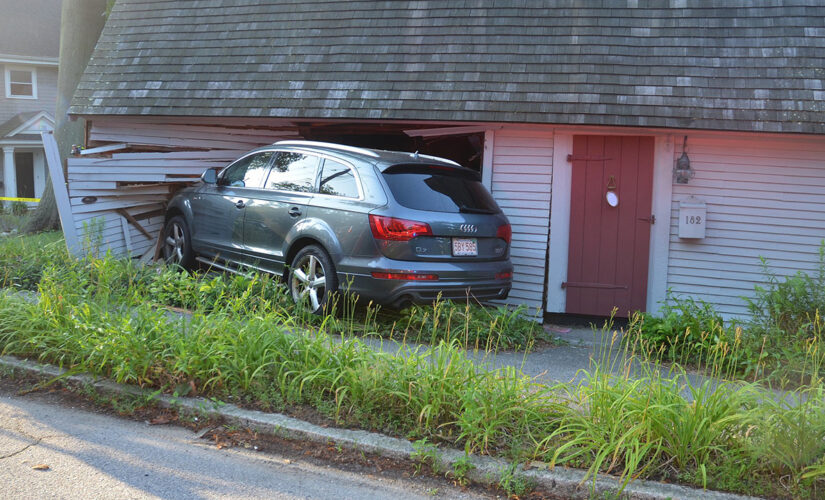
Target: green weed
{"points": [[461, 467]]}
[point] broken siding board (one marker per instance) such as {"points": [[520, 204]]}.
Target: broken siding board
{"points": [[124, 224], [111, 221], [116, 176], [110, 205], [182, 132], [216, 155], [764, 199], [173, 138], [159, 190], [141, 162], [186, 130], [133, 211], [144, 170], [61, 195], [93, 185], [104, 204], [175, 142]]}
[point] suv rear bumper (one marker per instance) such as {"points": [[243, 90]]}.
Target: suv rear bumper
{"points": [[456, 281]]}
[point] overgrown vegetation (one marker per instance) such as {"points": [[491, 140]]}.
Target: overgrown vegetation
{"points": [[24, 259], [11, 222], [772, 345], [625, 416]]}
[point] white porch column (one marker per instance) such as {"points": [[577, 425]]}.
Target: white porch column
{"points": [[9, 174], [39, 173]]}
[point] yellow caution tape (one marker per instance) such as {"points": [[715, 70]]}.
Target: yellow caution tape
{"points": [[30, 200]]}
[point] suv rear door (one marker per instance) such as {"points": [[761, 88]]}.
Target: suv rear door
{"points": [[277, 207]]}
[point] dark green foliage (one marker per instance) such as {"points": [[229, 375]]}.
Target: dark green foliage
{"points": [[19, 208], [685, 330], [785, 319], [772, 345], [242, 343], [23, 258]]}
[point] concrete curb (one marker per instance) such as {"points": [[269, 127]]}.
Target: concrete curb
{"points": [[567, 483]]}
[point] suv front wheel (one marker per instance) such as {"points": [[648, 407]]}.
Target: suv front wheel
{"points": [[312, 278], [176, 245]]}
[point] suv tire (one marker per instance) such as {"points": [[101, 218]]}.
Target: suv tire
{"points": [[177, 244], [312, 277]]}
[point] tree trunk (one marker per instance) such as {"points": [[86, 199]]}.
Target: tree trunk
{"points": [[80, 26]]}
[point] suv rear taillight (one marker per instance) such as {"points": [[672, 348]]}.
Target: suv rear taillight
{"points": [[505, 232], [390, 228]]}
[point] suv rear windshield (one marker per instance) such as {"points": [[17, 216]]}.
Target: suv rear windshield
{"points": [[439, 189]]}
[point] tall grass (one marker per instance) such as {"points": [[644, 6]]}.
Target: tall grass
{"points": [[626, 416], [24, 261], [23, 258]]}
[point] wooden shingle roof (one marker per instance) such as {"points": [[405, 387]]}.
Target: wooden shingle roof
{"points": [[753, 65]]}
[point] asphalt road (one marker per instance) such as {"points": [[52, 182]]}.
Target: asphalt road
{"points": [[95, 455]]}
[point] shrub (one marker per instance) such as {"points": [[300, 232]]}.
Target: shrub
{"points": [[786, 317], [23, 258], [19, 208], [787, 307], [687, 331]]}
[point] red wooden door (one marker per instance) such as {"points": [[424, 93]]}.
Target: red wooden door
{"points": [[609, 245]]}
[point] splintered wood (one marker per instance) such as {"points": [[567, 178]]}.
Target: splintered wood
{"points": [[118, 189]]}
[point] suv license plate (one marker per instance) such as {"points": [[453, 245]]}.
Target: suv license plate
{"points": [[465, 246]]}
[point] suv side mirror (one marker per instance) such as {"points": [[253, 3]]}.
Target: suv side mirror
{"points": [[209, 176]]}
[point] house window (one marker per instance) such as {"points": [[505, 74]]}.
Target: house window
{"points": [[21, 83]]}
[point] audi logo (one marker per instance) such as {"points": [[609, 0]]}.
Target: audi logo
{"points": [[469, 228]]}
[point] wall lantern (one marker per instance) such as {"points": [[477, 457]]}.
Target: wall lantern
{"points": [[683, 173]]}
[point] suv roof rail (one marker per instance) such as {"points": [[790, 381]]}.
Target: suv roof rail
{"points": [[445, 160], [331, 145]]}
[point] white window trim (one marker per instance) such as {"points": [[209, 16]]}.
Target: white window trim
{"points": [[32, 70]]}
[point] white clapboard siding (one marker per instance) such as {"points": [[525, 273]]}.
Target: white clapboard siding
{"points": [[765, 198], [521, 180], [143, 181]]}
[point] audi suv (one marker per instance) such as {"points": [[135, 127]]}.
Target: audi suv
{"points": [[391, 227]]}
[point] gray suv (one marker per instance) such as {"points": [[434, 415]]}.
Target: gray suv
{"points": [[391, 227]]}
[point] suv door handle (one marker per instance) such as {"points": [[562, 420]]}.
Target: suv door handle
{"points": [[294, 212], [240, 204]]}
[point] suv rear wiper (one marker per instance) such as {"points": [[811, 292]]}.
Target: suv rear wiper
{"points": [[470, 210]]}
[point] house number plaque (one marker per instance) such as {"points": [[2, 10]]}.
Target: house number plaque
{"points": [[692, 218]]}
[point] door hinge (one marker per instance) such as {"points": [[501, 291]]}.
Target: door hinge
{"points": [[650, 220], [604, 286], [572, 158]]}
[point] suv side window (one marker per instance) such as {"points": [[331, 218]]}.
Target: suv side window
{"points": [[338, 179], [293, 172], [248, 172]]}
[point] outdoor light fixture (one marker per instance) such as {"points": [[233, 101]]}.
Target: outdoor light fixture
{"points": [[683, 173]]}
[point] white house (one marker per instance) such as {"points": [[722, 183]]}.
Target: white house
{"points": [[635, 148], [29, 46]]}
